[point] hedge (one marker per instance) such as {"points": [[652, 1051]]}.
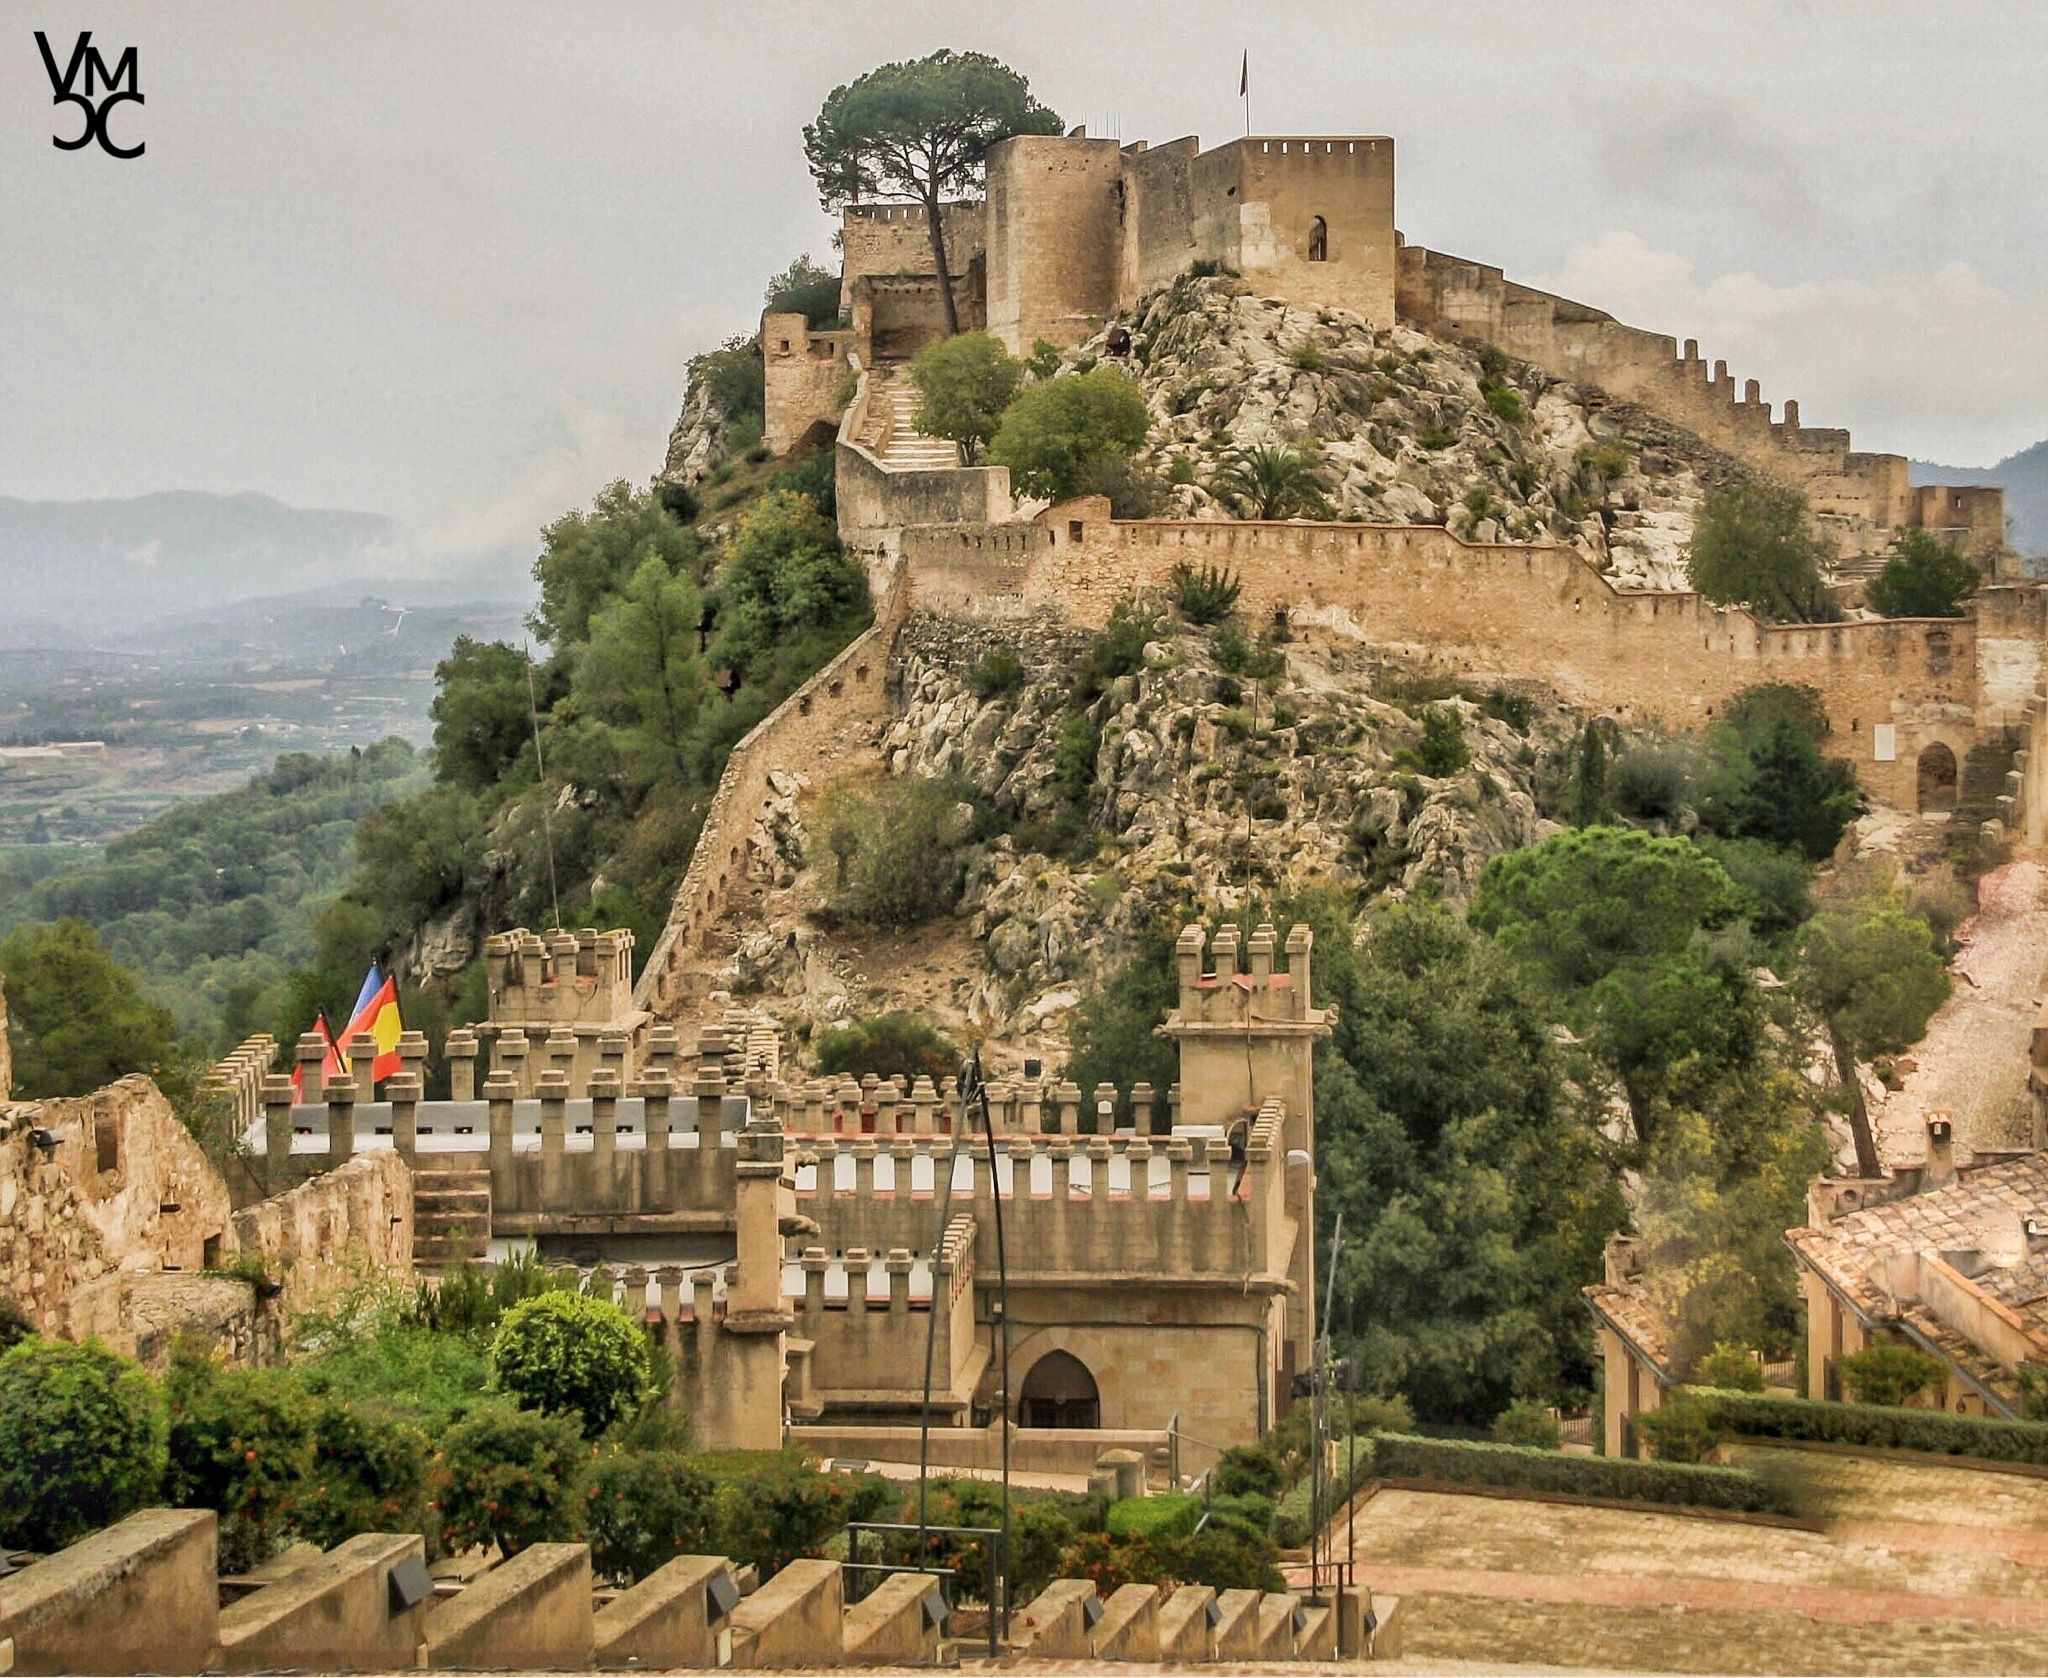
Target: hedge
{"points": [[1169, 1515], [1296, 1518], [1878, 1426], [1409, 1457]]}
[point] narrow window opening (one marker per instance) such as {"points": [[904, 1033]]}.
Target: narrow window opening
{"points": [[1318, 240]]}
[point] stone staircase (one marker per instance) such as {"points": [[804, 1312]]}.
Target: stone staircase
{"points": [[892, 432], [451, 1211]]}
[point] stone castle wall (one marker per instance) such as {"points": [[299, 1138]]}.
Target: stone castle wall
{"points": [[1535, 611], [889, 239], [1861, 499]]}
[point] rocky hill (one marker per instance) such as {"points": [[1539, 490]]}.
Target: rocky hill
{"points": [[1411, 429], [1196, 781]]}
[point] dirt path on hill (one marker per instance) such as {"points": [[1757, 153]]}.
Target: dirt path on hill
{"points": [[1973, 1060]]}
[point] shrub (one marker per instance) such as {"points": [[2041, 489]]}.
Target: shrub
{"points": [[1073, 760], [1505, 403], [1517, 710], [1751, 546], [804, 288], [1887, 1374], [1169, 1515], [1651, 782], [1923, 578], [1525, 1422], [570, 1353], [1944, 903], [1180, 469], [644, 1508], [240, 1443], [81, 1441], [887, 1045], [1730, 1367], [898, 851], [1205, 594], [1308, 359], [1044, 360], [508, 1477], [471, 1298], [774, 1506], [1221, 1560], [1681, 1429], [1117, 651], [1879, 1427], [1467, 1462], [1442, 749], [997, 674], [1249, 1470], [369, 1474]]}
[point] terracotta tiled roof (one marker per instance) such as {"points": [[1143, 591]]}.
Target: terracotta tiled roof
{"points": [[1638, 1317], [1980, 1211]]}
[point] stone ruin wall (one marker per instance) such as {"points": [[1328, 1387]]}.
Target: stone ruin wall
{"points": [[1512, 610], [890, 239], [1861, 499]]}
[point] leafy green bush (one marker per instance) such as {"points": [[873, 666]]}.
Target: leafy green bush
{"points": [[1887, 1373], [887, 1045], [1681, 1429], [964, 383], [509, 1477], [644, 1508], [82, 1441], [240, 1443], [1731, 1367], [1880, 1427], [471, 1298], [1056, 436], [1467, 1462], [804, 288], [1169, 1515], [1525, 1422], [372, 1348], [369, 1474], [1044, 360], [567, 1352], [1205, 594], [774, 1506], [1752, 546], [997, 674], [1505, 403], [1073, 758], [1308, 359], [14, 1325], [1117, 651], [898, 851], [1651, 782], [1222, 1560]]}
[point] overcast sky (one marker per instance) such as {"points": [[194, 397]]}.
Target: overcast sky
{"points": [[447, 261]]}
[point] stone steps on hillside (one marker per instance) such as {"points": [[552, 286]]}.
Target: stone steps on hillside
{"points": [[905, 447]]}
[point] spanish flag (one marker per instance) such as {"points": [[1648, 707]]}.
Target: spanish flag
{"points": [[330, 1068], [377, 1013]]}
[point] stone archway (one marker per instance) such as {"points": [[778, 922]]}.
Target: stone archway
{"points": [[1318, 240], [1935, 780], [1059, 1392]]}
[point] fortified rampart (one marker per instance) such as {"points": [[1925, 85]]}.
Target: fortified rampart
{"points": [[1892, 687], [888, 240], [1862, 499]]}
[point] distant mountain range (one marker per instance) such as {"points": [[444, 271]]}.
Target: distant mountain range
{"points": [[2025, 477], [136, 572]]}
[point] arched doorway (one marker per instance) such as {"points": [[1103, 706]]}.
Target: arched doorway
{"points": [[1318, 240], [1936, 780], [1059, 1392]]}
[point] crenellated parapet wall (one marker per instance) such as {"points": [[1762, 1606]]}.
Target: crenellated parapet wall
{"points": [[1862, 499], [1891, 687]]}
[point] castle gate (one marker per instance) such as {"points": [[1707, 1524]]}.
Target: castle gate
{"points": [[1059, 1392]]}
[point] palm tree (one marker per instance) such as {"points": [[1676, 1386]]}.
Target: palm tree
{"points": [[1271, 481]]}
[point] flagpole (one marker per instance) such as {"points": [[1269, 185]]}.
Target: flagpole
{"points": [[1244, 83]]}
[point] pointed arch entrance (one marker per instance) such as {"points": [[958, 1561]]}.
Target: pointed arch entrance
{"points": [[1059, 1392]]}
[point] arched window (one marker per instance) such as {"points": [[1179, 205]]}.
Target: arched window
{"points": [[1318, 240], [1059, 1392]]}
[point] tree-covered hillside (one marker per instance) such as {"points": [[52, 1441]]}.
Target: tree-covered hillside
{"points": [[215, 900]]}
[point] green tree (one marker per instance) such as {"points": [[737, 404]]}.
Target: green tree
{"points": [[1767, 777], [920, 129], [482, 717], [587, 557], [640, 671], [1590, 804], [81, 1441], [1752, 545], [784, 576], [1923, 578], [1058, 438], [1869, 973], [573, 1353], [804, 288], [964, 383], [78, 1019], [1271, 481]]}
